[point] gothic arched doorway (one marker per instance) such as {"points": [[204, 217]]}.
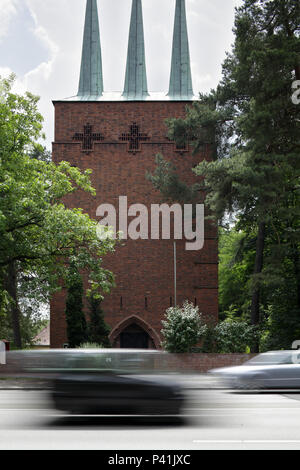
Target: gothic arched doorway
{"points": [[134, 332], [134, 337]]}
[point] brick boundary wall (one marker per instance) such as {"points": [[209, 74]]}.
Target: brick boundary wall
{"points": [[184, 363], [202, 363]]}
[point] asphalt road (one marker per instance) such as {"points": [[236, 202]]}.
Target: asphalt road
{"points": [[213, 419]]}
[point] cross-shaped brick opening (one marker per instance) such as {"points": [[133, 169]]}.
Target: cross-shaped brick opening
{"points": [[88, 137], [134, 137], [182, 147]]}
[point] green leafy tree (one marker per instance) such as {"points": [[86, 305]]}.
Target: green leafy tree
{"points": [[182, 328], [75, 318], [98, 329], [39, 237]]}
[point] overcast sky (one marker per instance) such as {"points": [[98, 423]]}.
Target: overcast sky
{"points": [[41, 40]]}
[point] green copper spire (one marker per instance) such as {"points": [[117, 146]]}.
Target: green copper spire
{"points": [[181, 86], [136, 79], [91, 77]]}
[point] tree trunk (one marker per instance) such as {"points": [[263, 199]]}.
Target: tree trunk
{"points": [[11, 286], [257, 270]]}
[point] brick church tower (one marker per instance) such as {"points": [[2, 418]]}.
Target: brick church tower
{"points": [[118, 137]]}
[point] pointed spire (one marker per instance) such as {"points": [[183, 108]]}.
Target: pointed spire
{"points": [[181, 86], [136, 78], [91, 77]]}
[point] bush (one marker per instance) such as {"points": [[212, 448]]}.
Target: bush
{"points": [[183, 328], [234, 336], [209, 340]]}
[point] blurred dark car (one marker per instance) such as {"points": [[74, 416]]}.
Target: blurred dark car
{"points": [[115, 383], [270, 370]]}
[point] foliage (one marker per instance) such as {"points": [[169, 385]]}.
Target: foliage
{"points": [[236, 258], [75, 318], [234, 336], [252, 126], [98, 329], [166, 180], [280, 324], [228, 337], [182, 328], [39, 237], [31, 324], [258, 177], [208, 341], [281, 327]]}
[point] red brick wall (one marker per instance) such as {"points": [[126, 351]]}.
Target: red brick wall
{"points": [[204, 362], [143, 268]]}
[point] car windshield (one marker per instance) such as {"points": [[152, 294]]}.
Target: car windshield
{"points": [[271, 359]]}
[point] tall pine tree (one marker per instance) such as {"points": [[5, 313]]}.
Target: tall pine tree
{"points": [[98, 329], [76, 322], [253, 126]]}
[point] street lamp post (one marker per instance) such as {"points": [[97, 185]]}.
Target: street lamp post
{"points": [[175, 275]]}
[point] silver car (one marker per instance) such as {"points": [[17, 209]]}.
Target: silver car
{"points": [[274, 369]]}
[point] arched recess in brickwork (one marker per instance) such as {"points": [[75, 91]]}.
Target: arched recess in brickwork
{"points": [[137, 321]]}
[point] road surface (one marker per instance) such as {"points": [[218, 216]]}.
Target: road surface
{"points": [[213, 419]]}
